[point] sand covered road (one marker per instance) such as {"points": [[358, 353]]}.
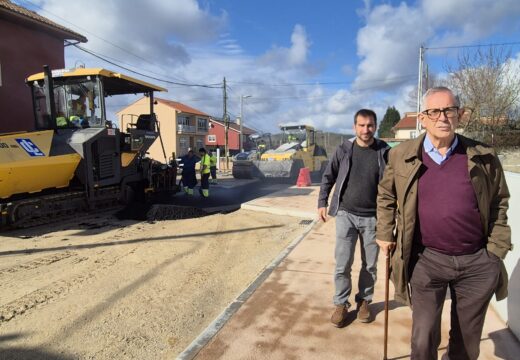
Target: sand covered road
{"points": [[110, 289]]}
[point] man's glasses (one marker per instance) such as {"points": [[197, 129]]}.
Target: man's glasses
{"points": [[449, 112]]}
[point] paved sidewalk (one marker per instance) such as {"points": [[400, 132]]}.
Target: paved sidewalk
{"points": [[288, 316]]}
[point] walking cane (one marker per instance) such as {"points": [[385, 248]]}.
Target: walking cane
{"points": [[387, 281]]}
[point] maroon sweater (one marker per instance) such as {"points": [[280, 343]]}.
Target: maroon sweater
{"points": [[449, 218]]}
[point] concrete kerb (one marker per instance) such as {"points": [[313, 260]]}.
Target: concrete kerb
{"points": [[204, 338]]}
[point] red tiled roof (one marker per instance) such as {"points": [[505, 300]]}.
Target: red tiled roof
{"points": [[181, 107], [26, 15], [234, 126], [409, 122]]}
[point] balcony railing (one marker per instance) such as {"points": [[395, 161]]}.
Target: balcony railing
{"points": [[185, 128]]}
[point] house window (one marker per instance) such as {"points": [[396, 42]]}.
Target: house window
{"points": [[199, 143], [202, 124], [183, 120], [184, 145], [212, 138]]}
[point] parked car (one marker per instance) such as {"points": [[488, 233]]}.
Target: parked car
{"points": [[246, 155]]}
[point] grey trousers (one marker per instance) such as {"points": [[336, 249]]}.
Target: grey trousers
{"points": [[348, 228], [472, 280]]}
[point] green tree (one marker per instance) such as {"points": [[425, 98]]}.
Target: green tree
{"points": [[391, 118]]}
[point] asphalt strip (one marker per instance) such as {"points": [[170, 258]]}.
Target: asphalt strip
{"points": [[203, 339]]}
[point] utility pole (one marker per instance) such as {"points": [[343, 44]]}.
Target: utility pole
{"points": [[241, 145], [426, 78], [328, 139], [226, 126], [419, 89]]}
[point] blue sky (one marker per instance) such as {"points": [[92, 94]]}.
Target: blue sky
{"points": [[302, 61], [331, 29]]}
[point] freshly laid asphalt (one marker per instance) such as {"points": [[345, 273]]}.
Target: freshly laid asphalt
{"points": [[226, 196], [228, 193], [287, 316]]}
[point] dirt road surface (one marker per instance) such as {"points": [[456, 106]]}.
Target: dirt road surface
{"points": [[102, 288]]}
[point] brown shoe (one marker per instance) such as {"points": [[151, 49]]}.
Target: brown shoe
{"points": [[363, 314], [339, 316]]}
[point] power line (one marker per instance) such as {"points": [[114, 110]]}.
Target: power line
{"points": [[322, 83], [87, 31], [296, 97], [96, 36], [473, 46], [203, 99], [249, 120], [210, 86], [183, 81]]}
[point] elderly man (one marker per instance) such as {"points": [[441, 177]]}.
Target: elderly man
{"points": [[451, 199]]}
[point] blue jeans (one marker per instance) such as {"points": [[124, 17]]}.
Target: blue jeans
{"points": [[348, 228]]}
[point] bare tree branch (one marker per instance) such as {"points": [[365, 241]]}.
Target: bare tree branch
{"points": [[488, 84]]}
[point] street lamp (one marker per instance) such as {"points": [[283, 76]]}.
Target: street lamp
{"points": [[242, 120]]}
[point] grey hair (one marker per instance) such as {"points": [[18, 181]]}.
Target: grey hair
{"points": [[438, 89]]}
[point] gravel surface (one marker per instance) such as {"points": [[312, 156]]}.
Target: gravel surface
{"points": [[103, 288]]}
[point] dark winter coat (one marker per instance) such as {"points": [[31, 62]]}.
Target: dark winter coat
{"points": [[397, 195], [338, 169]]}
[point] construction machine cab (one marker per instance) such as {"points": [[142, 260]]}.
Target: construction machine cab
{"points": [[67, 102], [299, 137], [72, 104], [75, 98]]}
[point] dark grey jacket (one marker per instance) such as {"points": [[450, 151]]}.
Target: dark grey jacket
{"points": [[338, 169]]}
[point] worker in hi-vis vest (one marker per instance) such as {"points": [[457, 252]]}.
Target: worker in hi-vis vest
{"points": [[204, 172], [213, 167]]}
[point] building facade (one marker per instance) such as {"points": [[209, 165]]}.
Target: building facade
{"points": [[216, 137], [406, 128], [27, 42], [182, 127]]}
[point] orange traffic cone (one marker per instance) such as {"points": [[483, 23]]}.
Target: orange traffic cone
{"points": [[304, 177]]}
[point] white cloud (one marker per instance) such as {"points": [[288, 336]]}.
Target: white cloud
{"points": [[402, 101], [230, 46], [388, 45], [470, 20], [155, 29], [300, 46], [463, 21], [340, 102], [389, 42], [198, 49], [296, 55], [328, 111], [187, 42]]}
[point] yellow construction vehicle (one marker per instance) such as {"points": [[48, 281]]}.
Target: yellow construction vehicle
{"points": [[76, 159], [299, 150]]}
